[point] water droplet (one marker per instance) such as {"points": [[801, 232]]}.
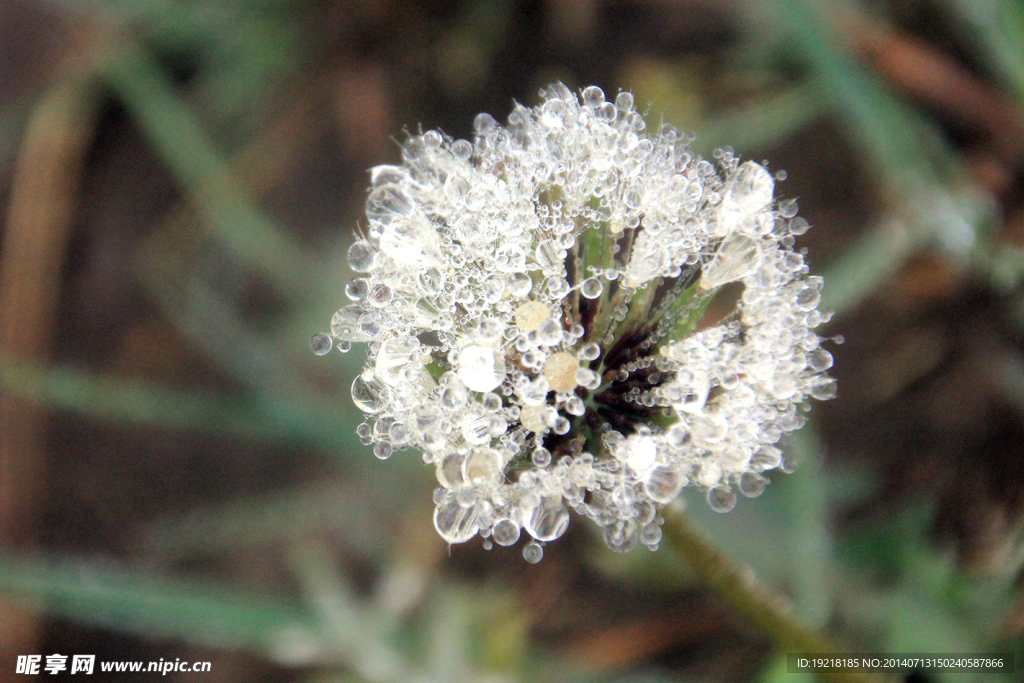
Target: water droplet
{"points": [[651, 535], [722, 499], [519, 285], [320, 344], [624, 101], [530, 418], [825, 390], [387, 204], [368, 394], [738, 257], [455, 523], [505, 532], [591, 288], [678, 435], [639, 452], [621, 535], [752, 484], [462, 149], [484, 124], [548, 520], [357, 289], [593, 96], [751, 189], [481, 368], [380, 295], [550, 332], [819, 360], [588, 379], [383, 450], [393, 357], [533, 553], [369, 326], [807, 298], [431, 281], [483, 466], [541, 457], [664, 484], [456, 188], [768, 458], [361, 257]]}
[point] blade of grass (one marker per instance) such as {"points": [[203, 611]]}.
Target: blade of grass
{"points": [[898, 140], [266, 520], [132, 601], [356, 632], [812, 545], [866, 264], [761, 124], [126, 400], [178, 135], [996, 27]]}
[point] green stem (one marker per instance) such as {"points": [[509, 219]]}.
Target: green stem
{"points": [[749, 598]]}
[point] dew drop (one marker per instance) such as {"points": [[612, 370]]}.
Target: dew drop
{"points": [[383, 450], [678, 435], [505, 533], [819, 360], [799, 226], [481, 368], [722, 499], [380, 295], [591, 288], [482, 467], [663, 484], [320, 344], [593, 96], [519, 285], [752, 484], [484, 124], [751, 188], [550, 332], [357, 289], [621, 535], [431, 281], [455, 523], [548, 520], [651, 535], [533, 553], [590, 351], [807, 298], [825, 390], [368, 394], [361, 257]]}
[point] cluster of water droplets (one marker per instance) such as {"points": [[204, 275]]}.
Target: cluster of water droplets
{"points": [[499, 282]]}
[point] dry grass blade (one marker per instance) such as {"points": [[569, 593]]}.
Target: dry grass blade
{"points": [[38, 227]]}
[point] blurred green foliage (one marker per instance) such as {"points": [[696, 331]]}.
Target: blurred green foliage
{"points": [[882, 586]]}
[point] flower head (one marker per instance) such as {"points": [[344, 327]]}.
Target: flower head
{"points": [[570, 313]]}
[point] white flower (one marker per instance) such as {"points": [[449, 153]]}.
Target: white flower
{"points": [[549, 321]]}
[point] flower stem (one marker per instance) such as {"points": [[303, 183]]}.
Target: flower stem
{"points": [[750, 598]]}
